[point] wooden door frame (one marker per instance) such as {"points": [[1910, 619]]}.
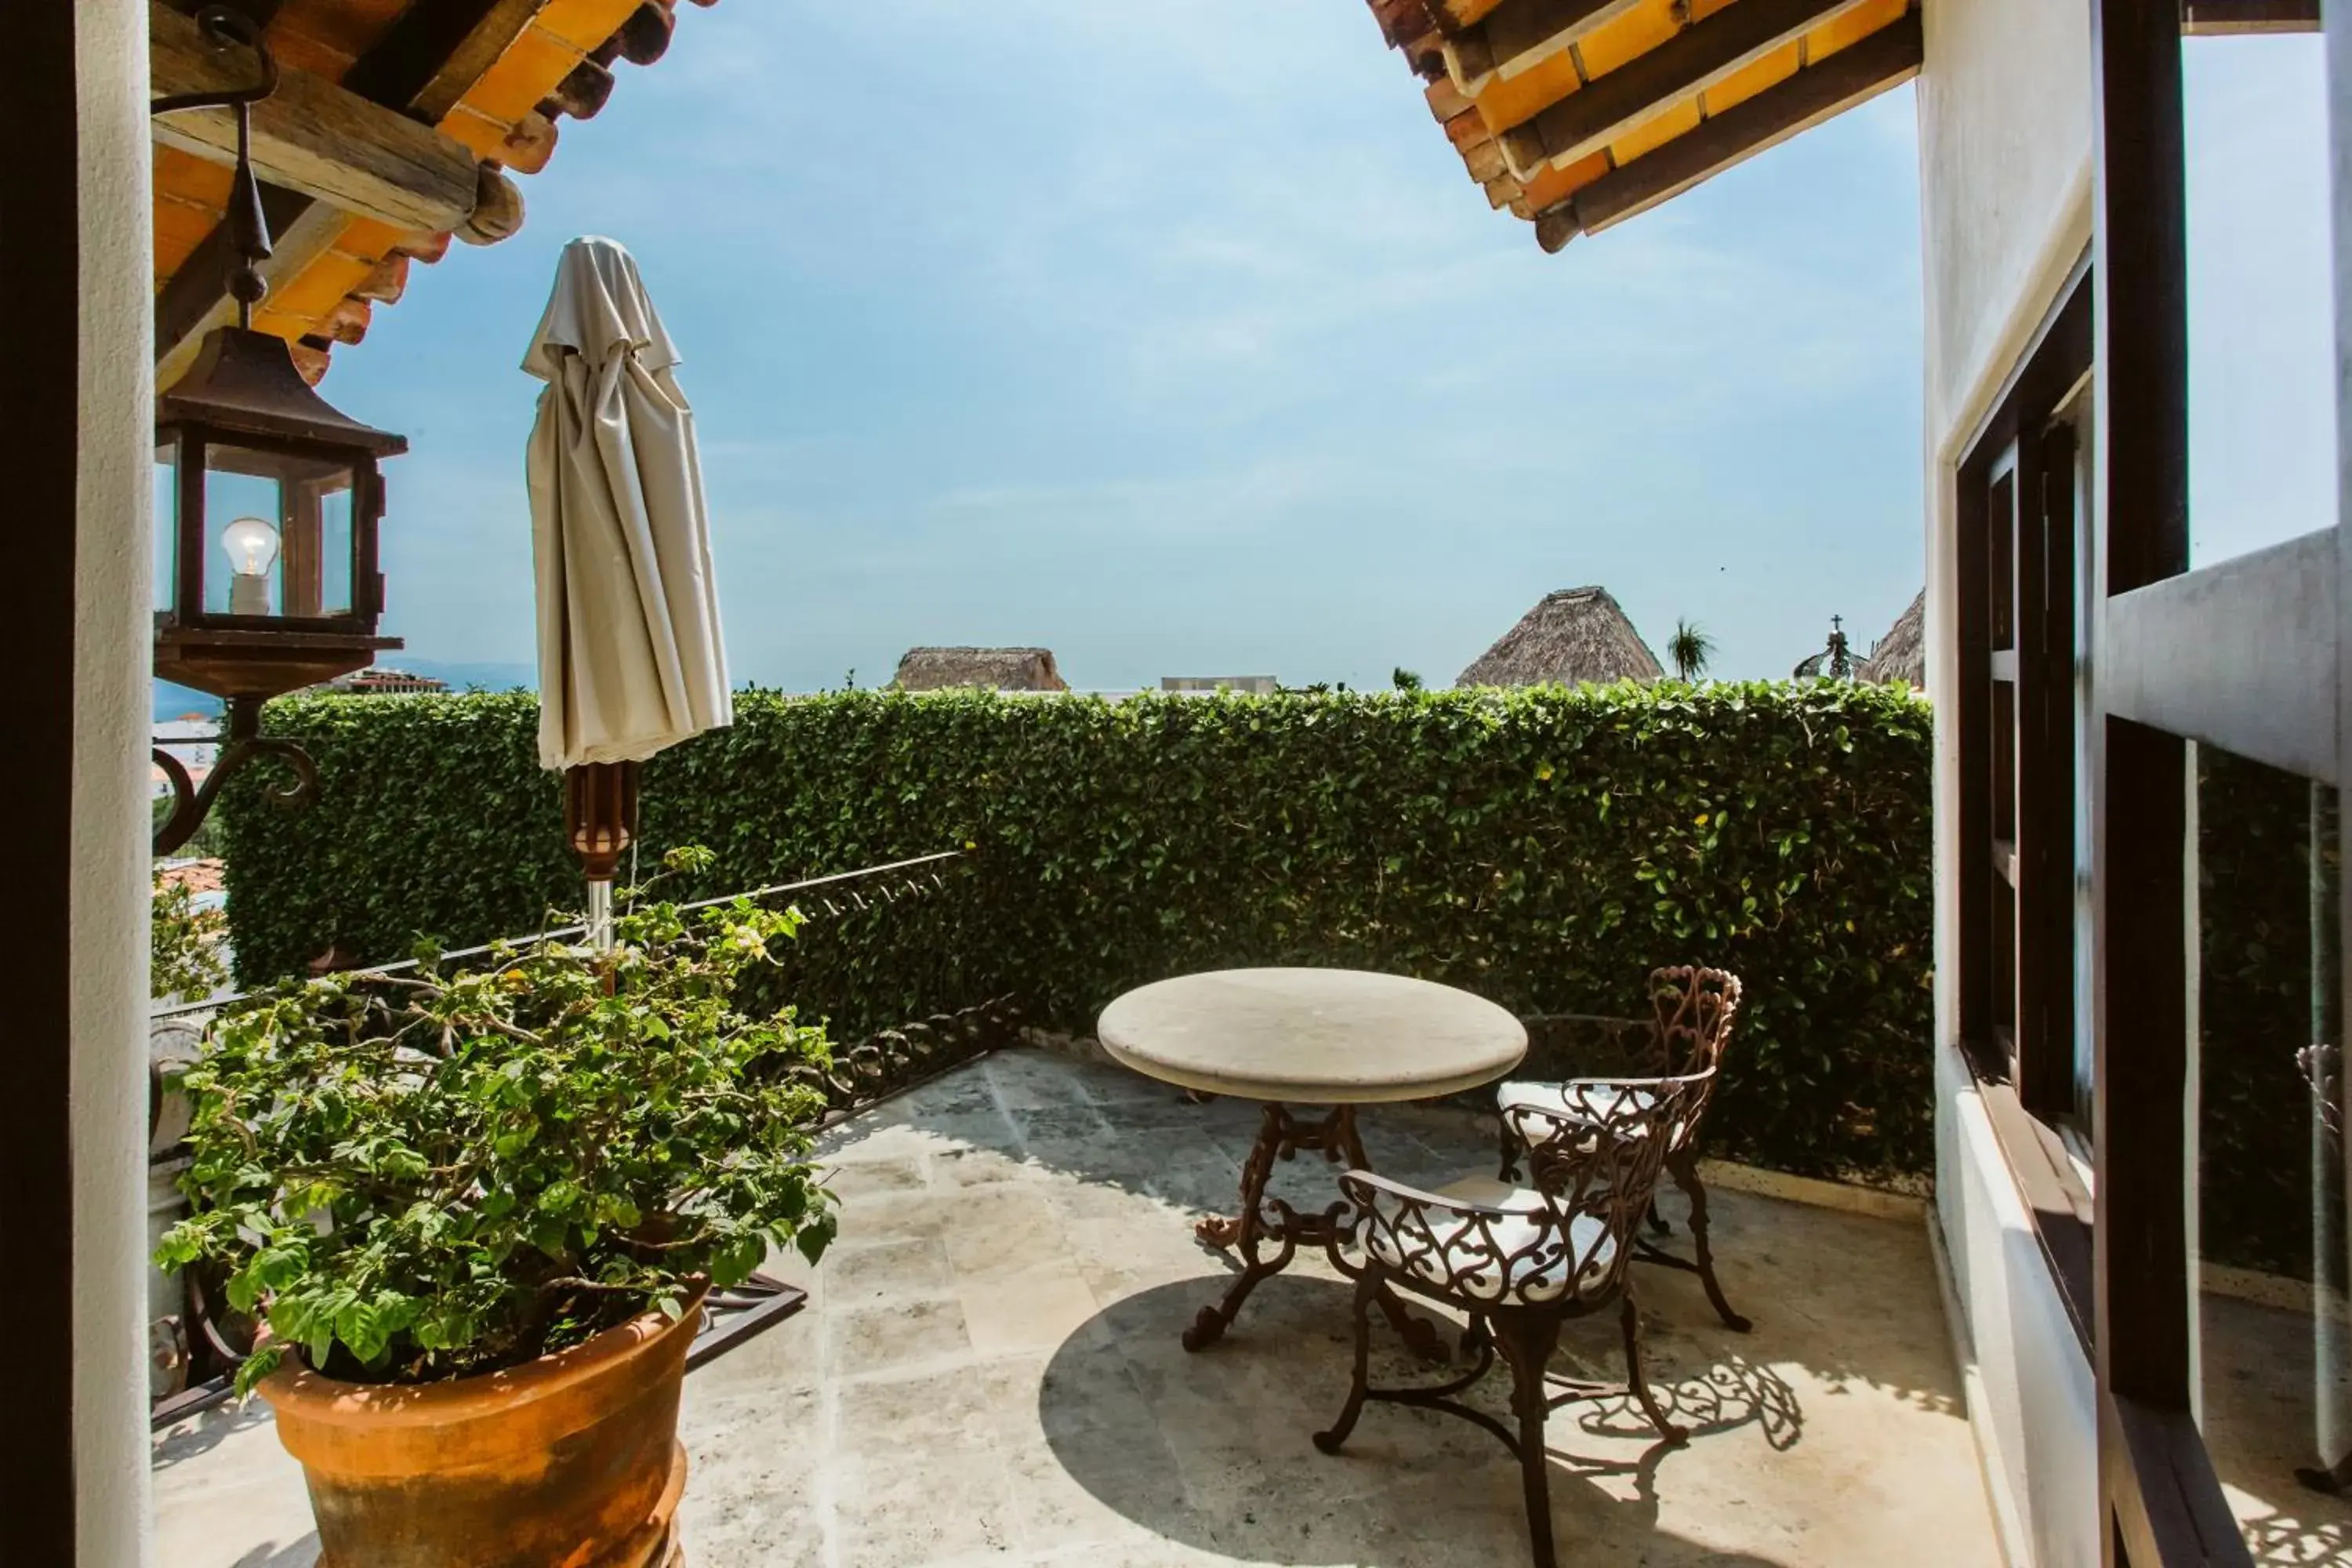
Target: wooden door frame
{"points": [[39, 433]]}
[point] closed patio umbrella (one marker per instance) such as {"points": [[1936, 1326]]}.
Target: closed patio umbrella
{"points": [[630, 658]]}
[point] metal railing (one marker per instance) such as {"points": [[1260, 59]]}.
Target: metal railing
{"points": [[907, 883]]}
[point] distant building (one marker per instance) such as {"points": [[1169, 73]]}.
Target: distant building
{"points": [[1902, 653], [988, 668], [1573, 637], [378, 682], [1834, 662], [1256, 685], [191, 739], [206, 879]]}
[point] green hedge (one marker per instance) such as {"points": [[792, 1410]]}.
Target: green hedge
{"points": [[1544, 847]]}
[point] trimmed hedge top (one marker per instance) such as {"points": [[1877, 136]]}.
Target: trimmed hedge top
{"points": [[1541, 847]]}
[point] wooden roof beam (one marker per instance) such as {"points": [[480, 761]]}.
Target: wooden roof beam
{"points": [[2208, 18], [428, 61], [1454, 16], [1402, 21], [1520, 34], [311, 136], [432, 56], [644, 36], [1689, 63], [1860, 71]]}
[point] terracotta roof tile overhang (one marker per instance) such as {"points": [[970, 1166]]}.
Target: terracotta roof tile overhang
{"points": [[1578, 114], [396, 126]]}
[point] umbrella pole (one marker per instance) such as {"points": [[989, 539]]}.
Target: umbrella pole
{"points": [[600, 914], [599, 819]]}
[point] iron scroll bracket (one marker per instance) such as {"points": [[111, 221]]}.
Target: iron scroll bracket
{"points": [[243, 745]]}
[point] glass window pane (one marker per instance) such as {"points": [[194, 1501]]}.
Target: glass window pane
{"points": [[2261, 365], [2001, 527], [167, 521], [2272, 1369], [2090, 593]]}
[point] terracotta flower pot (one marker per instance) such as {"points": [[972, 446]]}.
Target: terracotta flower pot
{"points": [[571, 1461]]}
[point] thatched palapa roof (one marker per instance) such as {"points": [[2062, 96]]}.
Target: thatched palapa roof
{"points": [[1902, 653], [1573, 636], [992, 669]]}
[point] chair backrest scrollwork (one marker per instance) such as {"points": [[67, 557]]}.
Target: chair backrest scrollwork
{"points": [[1695, 1008], [1595, 1168], [1601, 1155]]}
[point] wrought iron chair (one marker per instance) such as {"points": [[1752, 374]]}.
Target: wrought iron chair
{"points": [[1519, 1268], [1693, 1009]]}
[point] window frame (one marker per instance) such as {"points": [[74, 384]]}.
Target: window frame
{"points": [[2024, 1076]]}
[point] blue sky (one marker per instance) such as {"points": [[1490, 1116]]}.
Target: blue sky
{"points": [[1176, 338]]}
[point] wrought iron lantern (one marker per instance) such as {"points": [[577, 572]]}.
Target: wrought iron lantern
{"points": [[267, 499]]}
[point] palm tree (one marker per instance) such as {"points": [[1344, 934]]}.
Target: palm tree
{"points": [[1690, 648]]}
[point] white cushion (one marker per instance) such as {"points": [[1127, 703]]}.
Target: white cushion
{"points": [[1593, 1103], [1517, 1258]]}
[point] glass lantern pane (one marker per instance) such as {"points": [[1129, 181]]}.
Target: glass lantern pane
{"points": [[333, 503], [278, 533], [167, 522], [245, 516]]}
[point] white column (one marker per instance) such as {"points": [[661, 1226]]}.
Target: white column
{"points": [[112, 633]]}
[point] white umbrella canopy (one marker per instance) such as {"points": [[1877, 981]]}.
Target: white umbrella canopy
{"points": [[630, 658]]}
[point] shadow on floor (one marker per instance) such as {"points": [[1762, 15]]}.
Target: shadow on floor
{"points": [[2261, 1417], [1826, 1287], [206, 1432], [2284, 1541], [302, 1553], [1214, 1450]]}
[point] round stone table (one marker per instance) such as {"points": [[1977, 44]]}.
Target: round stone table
{"points": [[1335, 1038]]}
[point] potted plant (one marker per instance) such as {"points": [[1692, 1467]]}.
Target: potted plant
{"points": [[477, 1211]]}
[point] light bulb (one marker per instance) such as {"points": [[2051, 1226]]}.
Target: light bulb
{"points": [[252, 545]]}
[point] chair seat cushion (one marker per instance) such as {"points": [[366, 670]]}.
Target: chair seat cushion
{"points": [[1521, 1257], [1591, 1099], [1592, 1102]]}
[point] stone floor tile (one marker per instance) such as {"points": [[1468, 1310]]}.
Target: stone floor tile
{"points": [[970, 1089], [754, 1466], [853, 1181], [1032, 1308], [785, 1360], [865, 1276], [923, 1507], [894, 1337], [1028, 1081], [1003, 1228], [970, 1165]]}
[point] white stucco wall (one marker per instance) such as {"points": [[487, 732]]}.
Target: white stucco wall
{"points": [[112, 708], [2004, 105], [2031, 1399]]}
